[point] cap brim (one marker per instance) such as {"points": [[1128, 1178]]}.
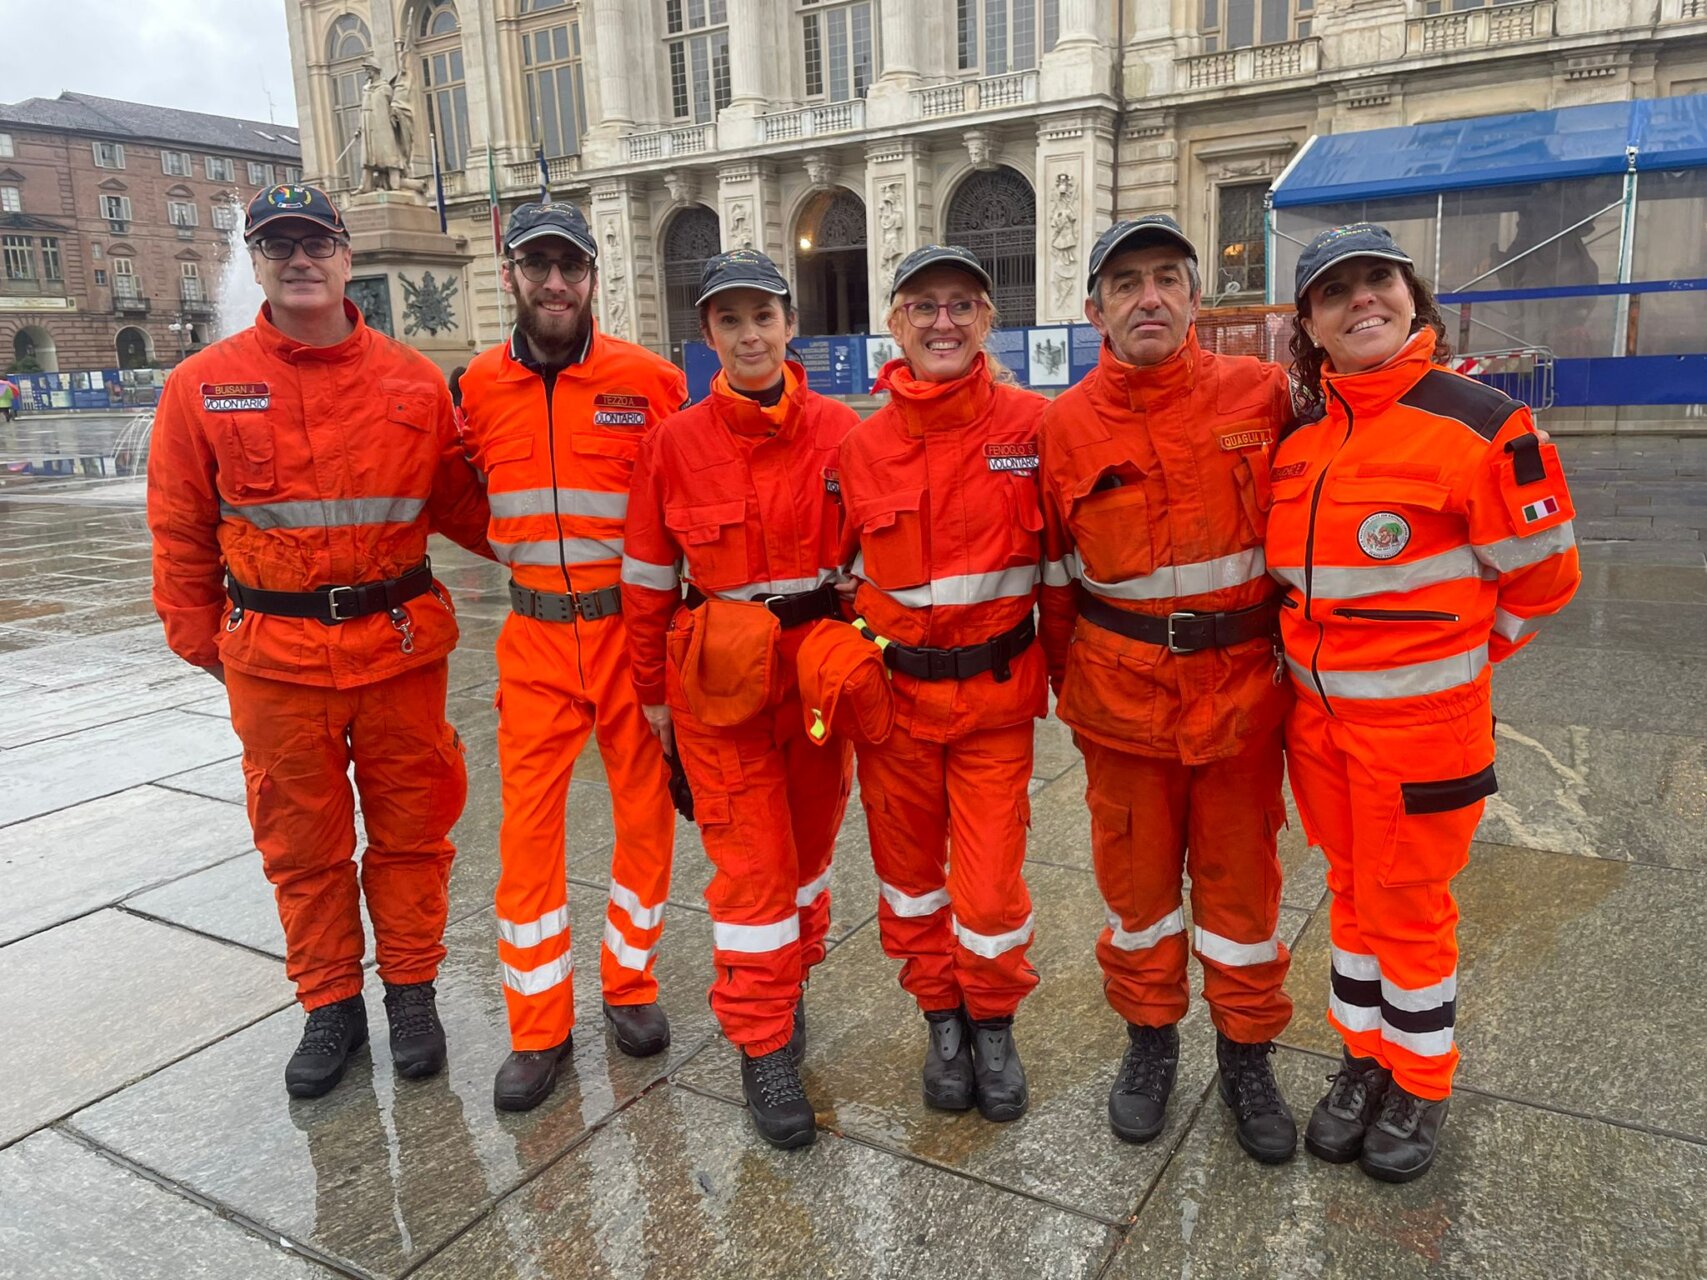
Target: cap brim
{"points": [[780, 291], [1165, 233], [297, 215], [539, 233], [947, 260], [1316, 275]]}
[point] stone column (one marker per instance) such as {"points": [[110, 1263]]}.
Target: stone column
{"points": [[1075, 161], [899, 204], [1082, 62], [615, 67], [888, 101], [749, 206]]}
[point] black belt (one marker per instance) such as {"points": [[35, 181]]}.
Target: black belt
{"points": [[964, 662], [332, 605], [550, 606], [1184, 632], [791, 610]]}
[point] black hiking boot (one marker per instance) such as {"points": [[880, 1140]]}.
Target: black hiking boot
{"points": [[1400, 1145], [776, 1100], [332, 1033], [1138, 1102], [526, 1078], [640, 1030], [1266, 1129], [417, 1035], [948, 1078], [997, 1073], [1340, 1120]]}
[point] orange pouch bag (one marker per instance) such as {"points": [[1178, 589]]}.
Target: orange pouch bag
{"points": [[729, 669]]}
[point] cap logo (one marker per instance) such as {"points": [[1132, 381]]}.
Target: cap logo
{"points": [[286, 197]]}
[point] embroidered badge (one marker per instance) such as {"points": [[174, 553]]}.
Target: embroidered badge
{"points": [[236, 397], [618, 418], [1383, 535], [832, 481], [1288, 471], [1246, 439], [619, 400], [1540, 509], [1019, 456]]}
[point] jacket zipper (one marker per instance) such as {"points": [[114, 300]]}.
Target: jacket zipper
{"points": [[1310, 556], [1397, 615], [548, 376]]}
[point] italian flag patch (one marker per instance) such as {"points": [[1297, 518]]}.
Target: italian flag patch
{"points": [[1540, 509]]}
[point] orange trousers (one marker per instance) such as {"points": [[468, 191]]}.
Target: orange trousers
{"points": [[558, 682], [948, 823], [1394, 809], [298, 744], [1153, 818]]}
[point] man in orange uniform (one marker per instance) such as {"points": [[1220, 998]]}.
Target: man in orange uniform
{"points": [[1158, 619], [554, 418], [300, 453]]}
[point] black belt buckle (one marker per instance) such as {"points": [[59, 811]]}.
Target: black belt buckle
{"points": [[1173, 647], [332, 614]]}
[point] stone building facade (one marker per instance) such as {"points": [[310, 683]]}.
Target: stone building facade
{"points": [[836, 134], [114, 222]]}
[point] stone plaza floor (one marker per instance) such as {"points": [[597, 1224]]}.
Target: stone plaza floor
{"points": [[145, 1017]]}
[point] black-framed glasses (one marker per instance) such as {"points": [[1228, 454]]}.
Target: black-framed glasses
{"points": [[283, 248], [537, 267], [923, 313]]}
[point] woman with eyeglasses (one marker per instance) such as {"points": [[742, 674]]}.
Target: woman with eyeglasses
{"points": [[943, 533], [738, 495]]}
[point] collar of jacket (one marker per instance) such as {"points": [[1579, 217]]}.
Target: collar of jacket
{"points": [[747, 417], [1141, 386], [1373, 390], [938, 406], [519, 362], [276, 344]]}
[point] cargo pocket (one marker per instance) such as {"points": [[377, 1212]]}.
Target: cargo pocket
{"points": [[892, 540], [247, 461], [1111, 849], [713, 538], [1433, 825], [1111, 526]]}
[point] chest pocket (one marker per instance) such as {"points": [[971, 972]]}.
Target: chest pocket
{"points": [[494, 453], [713, 537], [1375, 489], [1024, 526], [1366, 497], [892, 538], [1110, 523], [245, 450], [622, 443], [406, 406]]}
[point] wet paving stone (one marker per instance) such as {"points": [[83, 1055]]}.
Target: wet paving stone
{"points": [[1685, 584], [221, 780], [1670, 626], [1578, 984], [1583, 1198], [73, 861], [232, 901], [75, 1215], [94, 1004], [1649, 691], [49, 713], [382, 1171], [679, 1186]]}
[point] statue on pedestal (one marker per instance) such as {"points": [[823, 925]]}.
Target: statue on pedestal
{"points": [[387, 131]]}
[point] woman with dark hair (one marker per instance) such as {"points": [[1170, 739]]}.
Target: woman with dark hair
{"points": [[1424, 530], [738, 495], [942, 510]]}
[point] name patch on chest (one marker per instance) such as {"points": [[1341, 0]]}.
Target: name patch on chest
{"points": [[619, 418], [1246, 439], [1019, 456], [236, 397], [1288, 471], [619, 400]]}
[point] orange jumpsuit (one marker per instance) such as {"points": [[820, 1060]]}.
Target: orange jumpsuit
{"points": [[558, 454], [294, 468], [1422, 531], [941, 493], [742, 501], [1155, 492]]}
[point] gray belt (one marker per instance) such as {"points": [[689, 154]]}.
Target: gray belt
{"points": [[550, 606]]}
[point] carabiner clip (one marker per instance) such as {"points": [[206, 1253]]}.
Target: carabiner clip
{"points": [[405, 628], [235, 619], [1279, 664]]}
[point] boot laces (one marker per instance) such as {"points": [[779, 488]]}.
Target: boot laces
{"points": [[324, 1033], [778, 1078], [1144, 1069], [1253, 1081], [1401, 1110], [412, 1010]]}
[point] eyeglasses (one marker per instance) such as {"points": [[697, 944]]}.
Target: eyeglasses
{"points": [[537, 267], [923, 314], [283, 248]]}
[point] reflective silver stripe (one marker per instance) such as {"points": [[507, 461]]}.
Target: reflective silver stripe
{"points": [[329, 513], [629, 957], [1143, 939], [778, 587], [1513, 627], [908, 907], [1515, 553], [991, 945], [1399, 682], [1354, 1017], [1195, 579], [532, 982], [571, 550], [534, 932], [643, 573], [968, 588], [644, 917], [568, 502], [755, 939], [1058, 573], [810, 893], [1354, 581], [1235, 955], [1351, 964], [1422, 999], [1428, 1044]]}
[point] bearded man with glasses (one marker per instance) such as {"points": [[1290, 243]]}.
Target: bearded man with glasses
{"points": [[296, 470]]}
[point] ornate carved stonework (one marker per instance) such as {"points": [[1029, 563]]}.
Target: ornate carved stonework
{"points": [[817, 169], [373, 295], [891, 228], [740, 226], [427, 307], [981, 149], [613, 278], [1064, 240], [682, 186]]}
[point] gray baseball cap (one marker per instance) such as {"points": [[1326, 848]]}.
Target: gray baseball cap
{"points": [[938, 255], [535, 221], [1137, 233], [1336, 244]]}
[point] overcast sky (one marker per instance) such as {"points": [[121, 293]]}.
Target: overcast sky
{"points": [[220, 56]]}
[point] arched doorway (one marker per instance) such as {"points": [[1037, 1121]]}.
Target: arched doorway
{"points": [[33, 351], [692, 236], [834, 296], [994, 214], [134, 349]]}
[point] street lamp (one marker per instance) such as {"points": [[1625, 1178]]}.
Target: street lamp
{"points": [[180, 326]]}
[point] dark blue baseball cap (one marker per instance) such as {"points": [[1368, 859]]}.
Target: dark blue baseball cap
{"points": [[292, 200], [535, 221], [939, 255], [1137, 233], [1336, 244], [740, 269]]}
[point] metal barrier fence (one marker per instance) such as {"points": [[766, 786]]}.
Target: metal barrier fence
{"points": [[1523, 373]]}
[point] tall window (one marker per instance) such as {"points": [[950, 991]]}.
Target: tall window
{"points": [[1239, 244], [224, 215], [116, 210], [260, 175], [5, 144], [20, 260], [124, 279], [438, 39], [189, 282], [181, 213], [347, 43], [52, 268], [219, 168], [840, 53], [699, 58], [557, 103], [109, 155], [175, 163], [994, 214], [998, 36], [1238, 24], [11, 199]]}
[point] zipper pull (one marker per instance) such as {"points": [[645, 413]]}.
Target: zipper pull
{"points": [[1279, 664]]}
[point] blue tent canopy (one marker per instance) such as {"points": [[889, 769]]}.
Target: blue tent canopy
{"points": [[1492, 151]]}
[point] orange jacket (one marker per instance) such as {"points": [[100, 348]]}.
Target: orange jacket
{"points": [[298, 467], [744, 496], [559, 456], [940, 486], [1423, 530], [1155, 489]]}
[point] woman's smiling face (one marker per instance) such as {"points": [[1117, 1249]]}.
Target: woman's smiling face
{"points": [[1361, 311]]}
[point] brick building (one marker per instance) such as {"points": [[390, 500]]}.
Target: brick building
{"points": [[114, 226]]}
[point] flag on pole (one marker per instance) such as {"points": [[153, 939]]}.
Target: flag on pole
{"points": [[544, 174], [438, 183], [492, 191]]}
